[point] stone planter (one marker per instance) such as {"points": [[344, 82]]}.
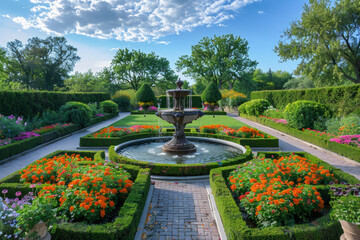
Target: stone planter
{"points": [[351, 230], [42, 233]]}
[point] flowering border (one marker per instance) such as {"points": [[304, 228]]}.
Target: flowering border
{"points": [[123, 227], [236, 228]]}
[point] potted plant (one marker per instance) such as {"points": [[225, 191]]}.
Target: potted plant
{"points": [[346, 209]]}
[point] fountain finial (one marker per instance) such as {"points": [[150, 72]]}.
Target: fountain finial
{"points": [[179, 83]]}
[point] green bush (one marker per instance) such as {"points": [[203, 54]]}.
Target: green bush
{"points": [[340, 100], [304, 114], [274, 113], [9, 128], [30, 103], [211, 93], [145, 94], [76, 112], [255, 107], [109, 106], [123, 101]]}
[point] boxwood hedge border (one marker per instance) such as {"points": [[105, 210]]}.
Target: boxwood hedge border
{"points": [[342, 149], [90, 141], [125, 224], [236, 228], [12, 149]]}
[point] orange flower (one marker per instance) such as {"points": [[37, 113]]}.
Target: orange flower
{"points": [[71, 208], [102, 213]]}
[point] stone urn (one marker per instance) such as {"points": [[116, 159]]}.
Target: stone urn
{"points": [[42, 233], [351, 230]]}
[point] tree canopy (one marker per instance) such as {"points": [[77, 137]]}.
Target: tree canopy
{"points": [[222, 59], [327, 40], [133, 68], [270, 80], [41, 63]]}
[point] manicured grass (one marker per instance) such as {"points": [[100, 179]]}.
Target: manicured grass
{"points": [[154, 120]]}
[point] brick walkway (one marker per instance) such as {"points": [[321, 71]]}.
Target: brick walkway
{"points": [[180, 211]]}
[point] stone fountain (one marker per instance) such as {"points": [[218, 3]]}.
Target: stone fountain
{"points": [[179, 117]]}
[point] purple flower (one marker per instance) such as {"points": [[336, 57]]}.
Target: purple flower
{"points": [[18, 194], [32, 185], [5, 191]]}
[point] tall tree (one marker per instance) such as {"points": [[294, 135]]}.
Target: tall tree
{"points": [[134, 68], [222, 59], [41, 63], [3, 62], [327, 40]]}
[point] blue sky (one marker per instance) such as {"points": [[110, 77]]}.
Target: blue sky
{"points": [[167, 27]]}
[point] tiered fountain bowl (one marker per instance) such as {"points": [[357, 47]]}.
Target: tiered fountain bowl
{"points": [[179, 117]]}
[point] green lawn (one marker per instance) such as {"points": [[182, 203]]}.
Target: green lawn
{"points": [[154, 120]]}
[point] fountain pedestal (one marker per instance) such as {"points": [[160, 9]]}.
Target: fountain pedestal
{"points": [[179, 117]]}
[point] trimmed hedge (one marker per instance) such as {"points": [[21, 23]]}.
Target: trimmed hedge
{"points": [[90, 141], [342, 149], [236, 228], [341, 100], [125, 224], [179, 169], [196, 101], [28, 104], [24, 145], [141, 112]]}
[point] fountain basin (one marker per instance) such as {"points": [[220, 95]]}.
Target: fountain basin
{"points": [[208, 151], [174, 117]]}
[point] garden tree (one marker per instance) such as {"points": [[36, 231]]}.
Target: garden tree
{"points": [[145, 94], [299, 83], [270, 80], [134, 68], [327, 41], [223, 60], [3, 62], [87, 82], [211, 95], [41, 63]]}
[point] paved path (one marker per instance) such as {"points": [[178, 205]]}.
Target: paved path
{"points": [[67, 143], [180, 210], [290, 143]]}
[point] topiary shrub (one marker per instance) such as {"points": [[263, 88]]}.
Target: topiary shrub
{"points": [[76, 112], [211, 95], [109, 106], [145, 95], [304, 114], [255, 107], [123, 101]]}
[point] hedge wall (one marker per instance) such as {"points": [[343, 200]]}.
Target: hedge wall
{"points": [[28, 104], [236, 228], [341, 100], [124, 225], [196, 101], [342, 149]]}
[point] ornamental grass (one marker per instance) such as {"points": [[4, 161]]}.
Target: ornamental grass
{"points": [[278, 192]]}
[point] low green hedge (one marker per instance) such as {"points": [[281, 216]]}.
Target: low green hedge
{"points": [[236, 228], [342, 149], [124, 225], [12, 149], [180, 169], [141, 112], [90, 141]]}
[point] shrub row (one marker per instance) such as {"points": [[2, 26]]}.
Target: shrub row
{"points": [[196, 101], [28, 104], [124, 225], [236, 228], [180, 169], [90, 141], [24, 145], [342, 149], [341, 100]]}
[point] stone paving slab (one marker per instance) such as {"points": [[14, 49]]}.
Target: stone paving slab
{"points": [[68, 143], [180, 210], [290, 143]]}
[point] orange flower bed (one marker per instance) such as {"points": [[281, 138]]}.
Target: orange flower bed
{"points": [[118, 132], [89, 193], [279, 191], [244, 132]]}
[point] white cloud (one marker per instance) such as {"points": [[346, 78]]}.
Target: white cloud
{"points": [[260, 12], [6, 16], [163, 42], [128, 20]]}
